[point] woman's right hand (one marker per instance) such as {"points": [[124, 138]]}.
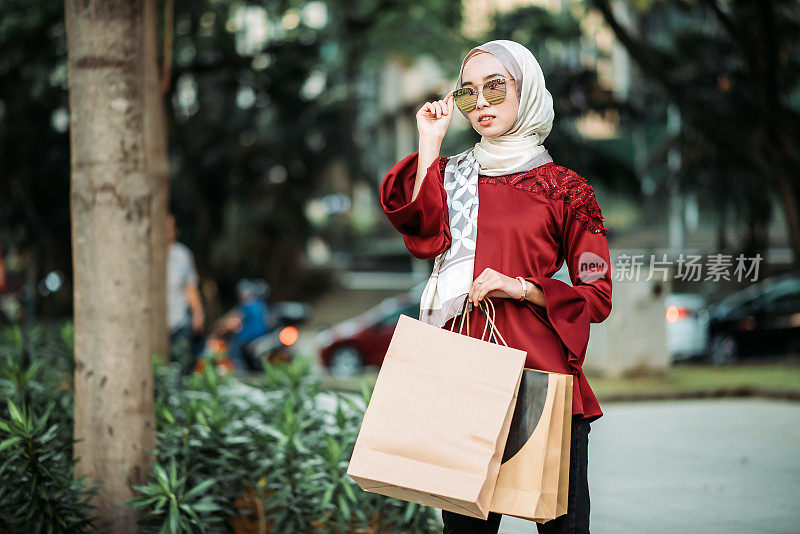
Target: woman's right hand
{"points": [[433, 118]]}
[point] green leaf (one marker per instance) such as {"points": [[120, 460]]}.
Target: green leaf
{"points": [[348, 489], [199, 489], [161, 478], [353, 405], [10, 442], [174, 516], [173, 475], [327, 496], [302, 449], [343, 506], [206, 506], [165, 413], [366, 394], [12, 409], [188, 509], [410, 508]]}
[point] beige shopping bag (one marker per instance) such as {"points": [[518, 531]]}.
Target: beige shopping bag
{"points": [[435, 428], [533, 480]]}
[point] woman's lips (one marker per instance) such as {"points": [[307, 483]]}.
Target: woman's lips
{"points": [[485, 120]]}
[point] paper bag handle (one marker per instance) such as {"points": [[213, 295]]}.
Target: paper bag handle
{"points": [[489, 314], [463, 313], [488, 310]]}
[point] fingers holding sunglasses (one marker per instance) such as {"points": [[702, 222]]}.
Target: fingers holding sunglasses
{"points": [[448, 102], [433, 119], [437, 110], [445, 105], [426, 109], [430, 110], [441, 109]]}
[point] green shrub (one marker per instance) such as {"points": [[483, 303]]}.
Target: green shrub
{"points": [[173, 506], [220, 441], [36, 371], [275, 438], [201, 432], [37, 489], [38, 492]]}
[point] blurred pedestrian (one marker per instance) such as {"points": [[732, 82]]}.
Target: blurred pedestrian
{"points": [[185, 317], [533, 216]]}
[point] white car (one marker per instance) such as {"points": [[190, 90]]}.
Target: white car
{"points": [[687, 326]]}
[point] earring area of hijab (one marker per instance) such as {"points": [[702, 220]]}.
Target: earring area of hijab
{"points": [[494, 91]]}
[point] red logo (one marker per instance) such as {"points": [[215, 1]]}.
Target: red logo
{"points": [[591, 267]]}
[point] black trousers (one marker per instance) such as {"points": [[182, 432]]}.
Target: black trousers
{"points": [[575, 521]]}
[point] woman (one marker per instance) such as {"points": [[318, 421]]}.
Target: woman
{"points": [[532, 216]]}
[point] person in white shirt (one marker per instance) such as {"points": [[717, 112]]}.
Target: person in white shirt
{"points": [[184, 305]]}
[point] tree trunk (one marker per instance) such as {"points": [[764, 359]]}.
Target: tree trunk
{"points": [[112, 203]]}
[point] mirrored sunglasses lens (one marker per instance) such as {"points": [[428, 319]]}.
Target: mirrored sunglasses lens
{"points": [[495, 93], [466, 100]]}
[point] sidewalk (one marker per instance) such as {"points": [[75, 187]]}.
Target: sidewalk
{"points": [[709, 466]]}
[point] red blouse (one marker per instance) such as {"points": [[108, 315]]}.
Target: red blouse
{"points": [[529, 223]]}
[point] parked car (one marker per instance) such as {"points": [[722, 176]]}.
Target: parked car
{"points": [[347, 348], [687, 326], [761, 320]]}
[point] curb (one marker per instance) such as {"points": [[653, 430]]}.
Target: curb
{"points": [[739, 392]]}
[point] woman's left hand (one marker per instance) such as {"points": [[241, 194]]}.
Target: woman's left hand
{"points": [[491, 283]]}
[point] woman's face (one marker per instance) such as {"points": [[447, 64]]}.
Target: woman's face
{"points": [[499, 118]]}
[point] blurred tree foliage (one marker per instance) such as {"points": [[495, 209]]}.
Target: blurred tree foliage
{"points": [[34, 142], [732, 69], [555, 40], [262, 96]]}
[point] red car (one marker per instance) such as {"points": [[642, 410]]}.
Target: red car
{"points": [[347, 348]]}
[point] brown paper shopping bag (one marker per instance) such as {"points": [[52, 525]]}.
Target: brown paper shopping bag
{"points": [[435, 428], [533, 480], [566, 440]]}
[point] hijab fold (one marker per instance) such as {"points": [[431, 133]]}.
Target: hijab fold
{"points": [[517, 150]]}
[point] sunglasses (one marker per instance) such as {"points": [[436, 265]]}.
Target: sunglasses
{"points": [[494, 91]]}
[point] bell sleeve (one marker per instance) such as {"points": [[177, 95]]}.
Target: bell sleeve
{"points": [[424, 222], [571, 308]]}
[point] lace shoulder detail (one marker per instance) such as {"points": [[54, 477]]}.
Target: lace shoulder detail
{"points": [[558, 183], [443, 163]]}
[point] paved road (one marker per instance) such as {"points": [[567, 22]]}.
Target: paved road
{"points": [[708, 467]]}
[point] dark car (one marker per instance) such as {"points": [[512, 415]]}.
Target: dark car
{"points": [[761, 320], [347, 348]]}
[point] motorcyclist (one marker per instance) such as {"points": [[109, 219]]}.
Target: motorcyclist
{"points": [[249, 320]]}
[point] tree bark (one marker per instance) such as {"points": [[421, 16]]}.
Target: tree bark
{"points": [[112, 203]]}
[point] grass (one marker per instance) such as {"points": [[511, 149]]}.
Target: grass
{"points": [[703, 380], [675, 382]]}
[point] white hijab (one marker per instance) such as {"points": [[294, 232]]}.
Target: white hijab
{"points": [[519, 149], [513, 150]]}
